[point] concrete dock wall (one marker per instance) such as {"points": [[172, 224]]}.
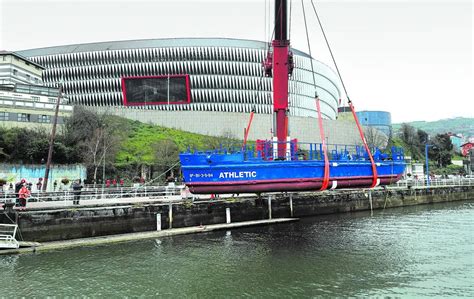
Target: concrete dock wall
{"points": [[64, 224]]}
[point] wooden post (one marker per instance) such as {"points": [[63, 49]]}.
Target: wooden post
{"points": [[227, 215], [158, 221], [370, 202], [170, 215], [269, 206], [291, 204]]}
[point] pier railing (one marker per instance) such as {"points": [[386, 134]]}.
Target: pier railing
{"points": [[434, 182], [117, 195], [102, 194]]}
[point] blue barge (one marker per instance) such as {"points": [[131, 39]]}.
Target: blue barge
{"points": [[252, 171]]}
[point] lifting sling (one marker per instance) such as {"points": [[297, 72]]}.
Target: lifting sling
{"points": [[325, 184], [247, 130], [361, 133]]}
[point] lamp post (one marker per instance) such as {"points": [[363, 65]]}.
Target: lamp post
{"points": [[51, 138], [103, 157]]}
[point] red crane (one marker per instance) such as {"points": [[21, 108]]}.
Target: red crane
{"points": [[282, 65]]}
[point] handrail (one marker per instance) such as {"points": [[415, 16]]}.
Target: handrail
{"points": [[98, 193], [335, 151]]}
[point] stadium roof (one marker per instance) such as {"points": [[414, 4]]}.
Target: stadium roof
{"points": [[150, 43]]}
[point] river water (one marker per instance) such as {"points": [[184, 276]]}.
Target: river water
{"points": [[421, 251]]}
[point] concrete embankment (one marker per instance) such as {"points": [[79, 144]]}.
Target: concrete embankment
{"points": [[86, 222]]}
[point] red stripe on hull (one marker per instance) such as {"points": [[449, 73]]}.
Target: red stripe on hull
{"points": [[285, 185]]}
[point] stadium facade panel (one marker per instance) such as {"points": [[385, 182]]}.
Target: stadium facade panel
{"points": [[225, 74]]}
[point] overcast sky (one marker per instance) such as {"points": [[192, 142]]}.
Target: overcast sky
{"points": [[412, 58]]}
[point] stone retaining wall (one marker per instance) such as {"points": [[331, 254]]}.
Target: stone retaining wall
{"points": [[63, 224]]}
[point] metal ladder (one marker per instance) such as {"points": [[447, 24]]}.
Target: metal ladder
{"points": [[7, 236]]}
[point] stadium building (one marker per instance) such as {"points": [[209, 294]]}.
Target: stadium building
{"points": [[222, 79]]}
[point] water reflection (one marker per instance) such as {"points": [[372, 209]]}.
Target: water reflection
{"points": [[415, 251]]}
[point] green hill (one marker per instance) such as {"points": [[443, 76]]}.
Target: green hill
{"points": [[143, 141], [458, 125]]}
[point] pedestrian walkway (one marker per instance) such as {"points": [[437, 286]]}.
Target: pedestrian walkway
{"points": [[68, 203], [97, 201]]}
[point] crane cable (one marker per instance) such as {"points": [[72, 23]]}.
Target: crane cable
{"points": [[253, 111], [265, 21], [289, 23], [325, 183], [361, 132]]}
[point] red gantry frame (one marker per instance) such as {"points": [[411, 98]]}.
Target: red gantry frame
{"points": [[165, 102]]}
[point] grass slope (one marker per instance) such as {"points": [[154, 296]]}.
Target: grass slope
{"points": [[139, 148]]}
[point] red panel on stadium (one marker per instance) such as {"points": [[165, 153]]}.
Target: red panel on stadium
{"points": [[156, 90]]}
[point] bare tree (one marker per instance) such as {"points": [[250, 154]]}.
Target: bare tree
{"points": [[96, 137], [166, 155], [375, 138], [100, 148]]}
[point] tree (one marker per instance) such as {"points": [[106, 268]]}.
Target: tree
{"points": [[442, 150], [166, 157], [31, 146], [226, 140], [99, 149], [415, 140], [410, 137], [423, 138], [94, 152], [79, 127], [2, 153], [80, 124], [96, 138], [375, 138]]}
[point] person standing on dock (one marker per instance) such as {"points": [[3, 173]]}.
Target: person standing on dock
{"points": [[23, 195], [18, 186], [39, 184], [76, 190]]}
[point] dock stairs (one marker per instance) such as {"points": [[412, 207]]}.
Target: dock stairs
{"points": [[7, 236]]}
